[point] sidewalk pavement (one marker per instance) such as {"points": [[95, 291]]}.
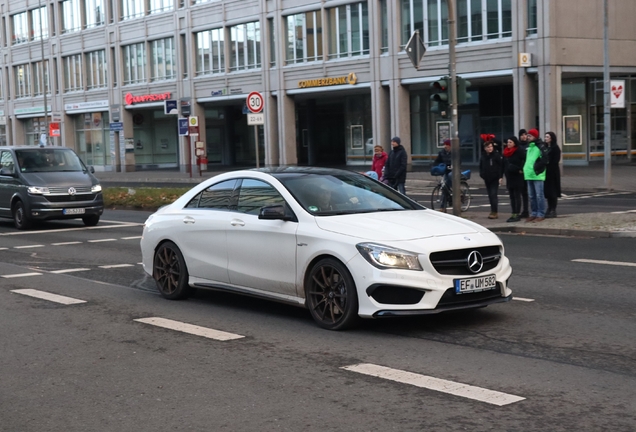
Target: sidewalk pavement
{"points": [[574, 179]]}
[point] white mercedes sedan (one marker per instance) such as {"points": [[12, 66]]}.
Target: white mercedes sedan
{"points": [[336, 242]]}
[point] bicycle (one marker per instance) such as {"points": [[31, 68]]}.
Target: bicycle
{"points": [[442, 187]]}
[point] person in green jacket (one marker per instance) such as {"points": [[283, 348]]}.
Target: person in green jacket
{"points": [[535, 181]]}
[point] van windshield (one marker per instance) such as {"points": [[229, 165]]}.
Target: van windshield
{"points": [[48, 160]]}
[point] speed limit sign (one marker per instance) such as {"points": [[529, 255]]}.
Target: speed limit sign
{"points": [[255, 102]]}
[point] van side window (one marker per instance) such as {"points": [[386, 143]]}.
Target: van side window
{"points": [[6, 160]]}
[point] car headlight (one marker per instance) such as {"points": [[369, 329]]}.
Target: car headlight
{"points": [[385, 257], [38, 190], [96, 188]]}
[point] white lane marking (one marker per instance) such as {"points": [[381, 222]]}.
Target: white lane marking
{"points": [[523, 299], [119, 225], [102, 240], [614, 263], [4, 248], [69, 270], [20, 275], [116, 266], [189, 328], [624, 212], [457, 389], [28, 246], [131, 238], [48, 296], [66, 243]]}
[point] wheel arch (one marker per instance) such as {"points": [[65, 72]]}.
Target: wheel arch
{"points": [[311, 265]]}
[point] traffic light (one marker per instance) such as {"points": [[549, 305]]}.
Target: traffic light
{"points": [[462, 94], [441, 95]]}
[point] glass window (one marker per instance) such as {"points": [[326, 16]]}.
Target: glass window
{"points": [[40, 23], [245, 46], [272, 42], [429, 17], [71, 16], [384, 22], [163, 59], [469, 21], [134, 63], [255, 194], [216, 197], [73, 73], [210, 52], [348, 30], [41, 70], [532, 17], [95, 14], [22, 80], [6, 160], [157, 6], [304, 37], [499, 19], [131, 9], [20, 28], [96, 70]]}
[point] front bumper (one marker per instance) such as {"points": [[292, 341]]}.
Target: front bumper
{"points": [[38, 207]]}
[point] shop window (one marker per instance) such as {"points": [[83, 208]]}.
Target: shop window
{"points": [[96, 70], [22, 75], [94, 13], [73, 73], [41, 72], [210, 52], [40, 23], [131, 9], [304, 37], [20, 28], [532, 17], [158, 6], [348, 30], [245, 46], [71, 16], [34, 128], [163, 59], [134, 63], [92, 138]]}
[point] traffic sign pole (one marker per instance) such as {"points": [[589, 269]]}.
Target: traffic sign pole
{"points": [[255, 103]]}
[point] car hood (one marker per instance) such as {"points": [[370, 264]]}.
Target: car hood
{"points": [[398, 225], [59, 179]]}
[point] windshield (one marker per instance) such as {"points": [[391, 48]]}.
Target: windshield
{"points": [[48, 160], [343, 193]]}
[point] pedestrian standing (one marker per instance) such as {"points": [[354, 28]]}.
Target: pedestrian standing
{"points": [[534, 179], [395, 168], [444, 157], [523, 146], [553, 174], [514, 158], [491, 170], [379, 160]]}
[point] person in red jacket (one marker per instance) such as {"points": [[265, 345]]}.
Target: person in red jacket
{"points": [[379, 160]]}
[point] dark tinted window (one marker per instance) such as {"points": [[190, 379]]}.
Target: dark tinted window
{"points": [[217, 197], [48, 160], [6, 160], [255, 194]]}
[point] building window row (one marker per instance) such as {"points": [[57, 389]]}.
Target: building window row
{"points": [[244, 48], [31, 78], [30, 25]]}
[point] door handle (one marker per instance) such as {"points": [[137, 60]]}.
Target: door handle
{"points": [[188, 220], [237, 222]]}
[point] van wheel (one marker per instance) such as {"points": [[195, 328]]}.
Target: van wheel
{"points": [[91, 220], [20, 219]]}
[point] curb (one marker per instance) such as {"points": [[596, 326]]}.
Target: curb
{"points": [[565, 232]]}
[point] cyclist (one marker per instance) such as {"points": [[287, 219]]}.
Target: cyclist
{"points": [[444, 157]]}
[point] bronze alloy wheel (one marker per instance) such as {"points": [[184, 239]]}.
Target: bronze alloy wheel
{"points": [[170, 272], [331, 295]]}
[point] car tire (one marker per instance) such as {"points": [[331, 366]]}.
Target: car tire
{"points": [[331, 295], [91, 220], [170, 272], [20, 218]]}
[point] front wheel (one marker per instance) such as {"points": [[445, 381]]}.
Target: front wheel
{"points": [[20, 218], [170, 272], [464, 195], [91, 220], [436, 197], [331, 295]]}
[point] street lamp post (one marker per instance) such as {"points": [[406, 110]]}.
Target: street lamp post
{"points": [[607, 100], [455, 147], [43, 73]]}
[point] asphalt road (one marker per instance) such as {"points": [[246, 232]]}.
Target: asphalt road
{"points": [[566, 346]]}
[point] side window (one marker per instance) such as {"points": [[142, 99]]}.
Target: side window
{"points": [[216, 197], [6, 160], [255, 194]]}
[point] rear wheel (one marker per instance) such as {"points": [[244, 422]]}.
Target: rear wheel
{"points": [[20, 218], [170, 272], [465, 195], [331, 295], [91, 220]]}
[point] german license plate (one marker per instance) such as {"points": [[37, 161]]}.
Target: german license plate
{"points": [[483, 283], [73, 211]]}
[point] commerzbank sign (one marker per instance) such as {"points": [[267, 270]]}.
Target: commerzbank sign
{"points": [[351, 79]]}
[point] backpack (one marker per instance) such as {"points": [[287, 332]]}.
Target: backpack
{"points": [[541, 163]]}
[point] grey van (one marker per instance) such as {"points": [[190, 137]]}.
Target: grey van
{"points": [[43, 183]]}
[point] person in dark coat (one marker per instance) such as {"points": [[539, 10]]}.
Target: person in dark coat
{"points": [[395, 168], [491, 170], [523, 146], [514, 158], [552, 189]]}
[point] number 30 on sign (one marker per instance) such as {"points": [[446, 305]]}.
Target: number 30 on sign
{"points": [[255, 102]]}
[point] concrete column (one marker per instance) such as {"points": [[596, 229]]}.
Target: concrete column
{"points": [[128, 164], [272, 152], [287, 127], [401, 116], [381, 114]]}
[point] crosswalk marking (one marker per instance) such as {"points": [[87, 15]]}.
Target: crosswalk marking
{"points": [[69, 270], [48, 296], [614, 263], [11, 276], [189, 328], [454, 388]]}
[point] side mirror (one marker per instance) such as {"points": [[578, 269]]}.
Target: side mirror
{"points": [[91, 169], [275, 212], [7, 172]]}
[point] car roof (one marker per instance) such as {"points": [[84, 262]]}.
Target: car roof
{"points": [[30, 147], [275, 171]]}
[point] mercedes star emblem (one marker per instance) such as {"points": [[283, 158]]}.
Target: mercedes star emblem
{"points": [[71, 191], [475, 262]]}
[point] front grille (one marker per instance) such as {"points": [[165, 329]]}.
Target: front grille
{"points": [[387, 294], [69, 198], [451, 298], [455, 262], [64, 190]]}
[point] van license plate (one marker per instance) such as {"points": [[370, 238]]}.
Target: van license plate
{"points": [[73, 211], [483, 283]]}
